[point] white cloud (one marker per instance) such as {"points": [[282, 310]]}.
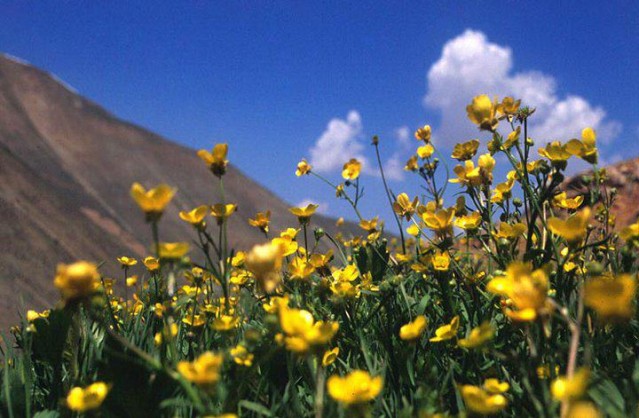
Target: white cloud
{"points": [[402, 134], [322, 206], [340, 141], [470, 65], [394, 168]]}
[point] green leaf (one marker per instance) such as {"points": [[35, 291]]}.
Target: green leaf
{"points": [[255, 407]]}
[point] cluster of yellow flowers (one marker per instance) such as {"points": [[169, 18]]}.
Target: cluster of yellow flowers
{"points": [[491, 296]]}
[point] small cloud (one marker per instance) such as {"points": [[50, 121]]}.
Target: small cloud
{"points": [[340, 141], [394, 168], [470, 65], [322, 208], [402, 134]]}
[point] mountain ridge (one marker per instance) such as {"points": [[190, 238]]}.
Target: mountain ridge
{"points": [[66, 167]]}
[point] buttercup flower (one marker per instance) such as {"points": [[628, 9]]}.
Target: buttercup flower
{"points": [[413, 330], [404, 207], [478, 336], [304, 214], [573, 229], [482, 112], [481, 401], [302, 168], [330, 356], [196, 216], [222, 212], [265, 262], [564, 388], [411, 164], [352, 169], [355, 388], [423, 133], [611, 297], [242, 356], [152, 201], [216, 159], [586, 148], [261, 221], [86, 399], [204, 371], [446, 332], [127, 261], [466, 150], [173, 250], [526, 289], [76, 280]]}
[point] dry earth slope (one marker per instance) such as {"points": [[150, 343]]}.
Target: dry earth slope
{"points": [[66, 166]]}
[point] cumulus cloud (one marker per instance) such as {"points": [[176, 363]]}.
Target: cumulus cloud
{"points": [[343, 139], [402, 135], [340, 141], [470, 65]]}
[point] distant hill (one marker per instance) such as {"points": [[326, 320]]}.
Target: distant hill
{"points": [[66, 167]]}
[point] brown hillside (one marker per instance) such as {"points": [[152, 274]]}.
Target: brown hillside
{"points": [[66, 167]]}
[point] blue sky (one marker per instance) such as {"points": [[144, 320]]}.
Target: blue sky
{"points": [[272, 78]]}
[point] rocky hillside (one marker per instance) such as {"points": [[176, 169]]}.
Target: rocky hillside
{"points": [[66, 167]]}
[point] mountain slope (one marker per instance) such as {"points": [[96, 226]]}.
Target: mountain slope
{"points": [[66, 167]]}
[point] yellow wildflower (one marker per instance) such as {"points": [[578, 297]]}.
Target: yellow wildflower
{"points": [[630, 233], [173, 250], [583, 409], [151, 263], [512, 138], [469, 222], [478, 336], [465, 150], [481, 401], [411, 164], [526, 289], [302, 332], [446, 332], [300, 268], [261, 221], [611, 298], [404, 207], [302, 168], [216, 159], [152, 201], [441, 261], [562, 201], [573, 229], [242, 356], [502, 191], [351, 169], [221, 211], [76, 280], [508, 231], [495, 386], [482, 112], [425, 151], [413, 330], [585, 148], [423, 133], [564, 388], [127, 261], [440, 221], [556, 153], [330, 356], [204, 371], [88, 398], [195, 216], [265, 262], [355, 388], [304, 213]]}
